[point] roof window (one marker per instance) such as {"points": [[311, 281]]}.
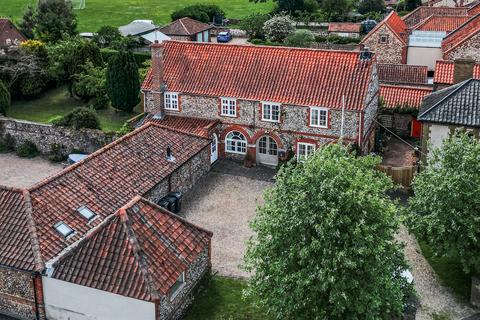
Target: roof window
{"points": [[86, 213], [63, 229]]}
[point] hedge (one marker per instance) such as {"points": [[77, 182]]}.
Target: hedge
{"points": [[140, 57]]}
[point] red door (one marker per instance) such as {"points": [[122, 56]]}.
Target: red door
{"points": [[416, 129]]}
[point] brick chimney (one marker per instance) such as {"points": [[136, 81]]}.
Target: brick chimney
{"points": [[158, 83], [463, 70]]}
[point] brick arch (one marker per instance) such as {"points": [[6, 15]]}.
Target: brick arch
{"points": [[229, 129], [272, 135]]}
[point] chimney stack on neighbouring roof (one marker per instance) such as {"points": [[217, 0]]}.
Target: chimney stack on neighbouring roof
{"points": [[463, 70], [366, 54], [158, 84]]}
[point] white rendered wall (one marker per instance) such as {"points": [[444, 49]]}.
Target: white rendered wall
{"points": [[67, 301], [438, 133], [419, 56]]}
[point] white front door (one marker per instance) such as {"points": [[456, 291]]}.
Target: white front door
{"points": [[214, 149], [267, 151]]}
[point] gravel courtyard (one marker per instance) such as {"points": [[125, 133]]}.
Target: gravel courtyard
{"points": [[224, 203], [20, 172]]}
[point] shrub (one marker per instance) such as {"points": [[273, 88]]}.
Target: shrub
{"points": [[78, 118], [253, 25], [201, 12], [4, 98], [27, 150], [106, 35], [278, 28], [89, 85], [140, 57], [56, 153], [301, 38], [336, 39], [3, 146]]}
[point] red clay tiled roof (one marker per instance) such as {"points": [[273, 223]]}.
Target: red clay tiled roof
{"points": [[9, 31], [18, 243], [395, 24], [344, 27], [424, 12], [294, 76], [402, 73], [105, 181], [395, 96], [441, 23], [184, 27], [460, 35], [139, 253], [444, 71], [147, 84], [196, 126]]}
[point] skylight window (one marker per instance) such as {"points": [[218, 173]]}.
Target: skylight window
{"points": [[86, 213], [63, 229]]}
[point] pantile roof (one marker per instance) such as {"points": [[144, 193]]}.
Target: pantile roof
{"points": [[106, 180], [139, 252], [399, 96], [424, 12], [294, 76], [197, 126], [184, 27], [344, 27], [18, 241], [395, 24], [9, 31], [402, 73], [456, 105], [441, 23], [461, 34], [444, 72]]}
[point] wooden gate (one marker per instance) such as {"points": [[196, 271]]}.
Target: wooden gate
{"points": [[400, 175]]}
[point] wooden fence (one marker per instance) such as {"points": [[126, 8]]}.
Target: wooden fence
{"points": [[400, 175]]}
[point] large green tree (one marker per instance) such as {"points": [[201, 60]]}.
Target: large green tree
{"points": [[335, 9], [293, 6], [55, 19], [4, 98], [366, 6], [411, 5], [445, 209], [324, 244], [123, 83]]}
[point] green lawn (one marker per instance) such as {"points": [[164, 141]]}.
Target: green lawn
{"points": [[450, 272], [221, 299], [57, 102], [118, 12]]}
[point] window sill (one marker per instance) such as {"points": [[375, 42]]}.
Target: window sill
{"points": [[172, 110], [235, 152], [316, 126], [228, 115], [272, 121], [176, 293]]}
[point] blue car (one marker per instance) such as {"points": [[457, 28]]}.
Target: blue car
{"points": [[224, 37]]}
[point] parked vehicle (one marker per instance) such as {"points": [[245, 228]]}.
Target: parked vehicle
{"points": [[76, 157], [225, 36]]}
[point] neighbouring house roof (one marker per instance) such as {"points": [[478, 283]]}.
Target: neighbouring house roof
{"points": [[137, 27], [395, 24], [155, 35], [398, 96], [402, 73], [344, 27], [105, 181], [456, 105], [441, 23], [461, 34], [444, 72], [296, 76], [426, 39], [197, 126], [184, 27], [9, 31], [424, 12], [139, 252], [18, 241]]}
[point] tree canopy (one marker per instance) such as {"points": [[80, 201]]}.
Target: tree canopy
{"points": [[4, 98], [324, 243], [445, 209], [366, 6], [200, 12], [54, 20], [293, 6]]}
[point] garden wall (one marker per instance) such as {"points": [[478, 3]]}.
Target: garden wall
{"points": [[44, 136]]}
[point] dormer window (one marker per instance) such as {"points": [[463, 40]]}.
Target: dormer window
{"points": [[63, 229], [86, 213]]}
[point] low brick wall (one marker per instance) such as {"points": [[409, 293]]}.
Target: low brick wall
{"points": [[46, 135]]}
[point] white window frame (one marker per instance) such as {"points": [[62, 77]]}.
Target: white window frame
{"points": [[236, 143], [171, 101], [175, 293], [85, 212], [269, 116], [318, 125], [63, 229], [306, 146], [226, 105]]}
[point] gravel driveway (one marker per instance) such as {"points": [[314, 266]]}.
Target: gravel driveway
{"points": [[224, 203], [21, 172], [434, 298]]}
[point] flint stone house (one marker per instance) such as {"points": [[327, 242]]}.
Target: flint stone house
{"points": [[452, 108], [267, 100], [187, 29], [10, 36], [464, 42], [388, 40], [87, 244]]}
